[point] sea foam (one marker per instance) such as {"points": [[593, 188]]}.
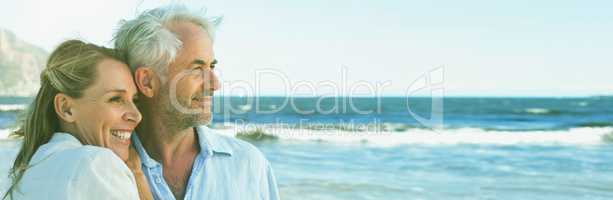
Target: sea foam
{"points": [[12, 107], [4, 133], [574, 136]]}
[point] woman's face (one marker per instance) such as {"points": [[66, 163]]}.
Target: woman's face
{"points": [[106, 115]]}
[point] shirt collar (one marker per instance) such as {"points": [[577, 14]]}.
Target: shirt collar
{"points": [[144, 157], [215, 145], [210, 143]]}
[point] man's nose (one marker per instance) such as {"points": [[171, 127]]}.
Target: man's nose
{"points": [[211, 82]]}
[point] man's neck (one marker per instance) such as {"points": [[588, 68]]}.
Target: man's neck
{"points": [[166, 146], [176, 150]]}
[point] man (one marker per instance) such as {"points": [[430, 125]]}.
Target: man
{"points": [[170, 51]]}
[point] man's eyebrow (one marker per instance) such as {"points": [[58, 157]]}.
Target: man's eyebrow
{"points": [[202, 62]]}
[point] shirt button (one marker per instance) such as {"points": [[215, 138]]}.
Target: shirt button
{"points": [[158, 180]]}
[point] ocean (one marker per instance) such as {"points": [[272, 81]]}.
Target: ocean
{"points": [[384, 148]]}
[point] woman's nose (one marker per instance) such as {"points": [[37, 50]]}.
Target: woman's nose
{"points": [[132, 114]]}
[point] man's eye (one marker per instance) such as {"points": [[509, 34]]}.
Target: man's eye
{"points": [[197, 70], [212, 66]]}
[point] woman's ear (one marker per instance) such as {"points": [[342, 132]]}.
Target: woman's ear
{"points": [[145, 81], [63, 105]]}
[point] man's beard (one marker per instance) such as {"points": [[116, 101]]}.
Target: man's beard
{"points": [[173, 118]]}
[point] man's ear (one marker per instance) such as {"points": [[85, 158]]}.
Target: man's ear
{"points": [[145, 80], [63, 106]]}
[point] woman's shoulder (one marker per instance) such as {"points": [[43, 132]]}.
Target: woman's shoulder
{"points": [[88, 155], [76, 169], [71, 162], [64, 149]]}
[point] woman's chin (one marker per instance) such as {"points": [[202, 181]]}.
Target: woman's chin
{"points": [[120, 146]]}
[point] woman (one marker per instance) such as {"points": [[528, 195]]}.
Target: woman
{"points": [[76, 134]]}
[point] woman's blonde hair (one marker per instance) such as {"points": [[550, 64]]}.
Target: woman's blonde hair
{"points": [[71, 68]]}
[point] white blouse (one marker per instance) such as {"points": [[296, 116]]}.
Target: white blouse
{"points": [[68, 170]]}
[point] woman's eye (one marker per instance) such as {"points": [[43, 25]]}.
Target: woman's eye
{"points": [[115, 99]]}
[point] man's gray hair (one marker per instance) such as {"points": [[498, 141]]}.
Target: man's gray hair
{"points": [[148, 41]]}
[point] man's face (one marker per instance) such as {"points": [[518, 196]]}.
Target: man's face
{"points": [[186, 96]]}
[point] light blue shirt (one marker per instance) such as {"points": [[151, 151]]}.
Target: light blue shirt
{"points": [[65, 169], [226, 168]]}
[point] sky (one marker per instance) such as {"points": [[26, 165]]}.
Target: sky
{"points": [[362, 48]]}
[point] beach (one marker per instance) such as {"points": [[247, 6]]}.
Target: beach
{"points": [[487, 148]]}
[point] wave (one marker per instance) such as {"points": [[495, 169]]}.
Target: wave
{"points": [[12, 107], [541, 111], [574, 136], [378, 127], [4, 133], [414, 136], [582, 104], [596, 124]]}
